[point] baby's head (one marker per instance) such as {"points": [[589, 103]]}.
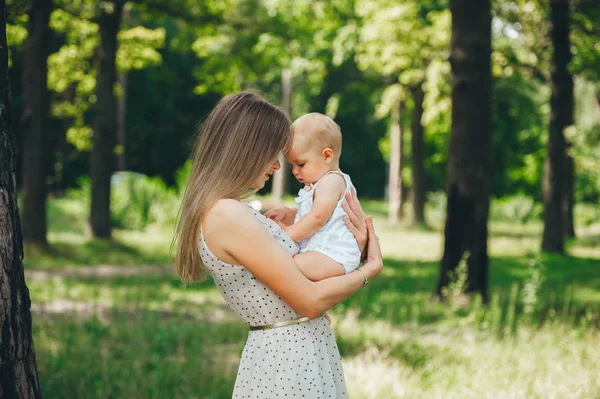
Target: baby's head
{"points": [[316, 147]]}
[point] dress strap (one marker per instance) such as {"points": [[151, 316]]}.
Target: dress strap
{"points": [[337, 172]]}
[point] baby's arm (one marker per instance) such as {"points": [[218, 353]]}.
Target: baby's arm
{"points": [[326, 196]]}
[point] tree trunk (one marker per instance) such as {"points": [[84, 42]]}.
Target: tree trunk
{"points": [[561, 108], [280, 177], [18, 371], [418, 168], [121, 121], [122, 111], [469, 160], [36, 156], [396, 162], [102, 161], [569, 199]]}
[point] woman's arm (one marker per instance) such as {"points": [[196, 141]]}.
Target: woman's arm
{"points": [[235, 235]]}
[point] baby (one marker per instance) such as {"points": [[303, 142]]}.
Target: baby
{"points": [[327, 247]]}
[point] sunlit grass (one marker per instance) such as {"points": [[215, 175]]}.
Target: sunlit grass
{"points": [[554, 361]]}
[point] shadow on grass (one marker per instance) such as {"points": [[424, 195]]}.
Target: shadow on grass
{"points": [[403, 293], [65, 216], [147, 356], [91, 252]]}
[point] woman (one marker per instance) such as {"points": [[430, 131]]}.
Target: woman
{"points": [[290, 349]]}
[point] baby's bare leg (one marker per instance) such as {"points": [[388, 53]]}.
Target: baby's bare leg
{"points": [[316, 266]]}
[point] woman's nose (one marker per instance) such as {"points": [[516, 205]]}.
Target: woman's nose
{"points": [[276, 165]]}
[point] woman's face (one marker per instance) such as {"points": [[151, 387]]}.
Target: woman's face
{"points": [[260, 181]]}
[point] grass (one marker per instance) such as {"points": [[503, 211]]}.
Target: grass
{"points": [[146, 336]]}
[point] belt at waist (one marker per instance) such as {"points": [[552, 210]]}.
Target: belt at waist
{"points": [[281, 324]]}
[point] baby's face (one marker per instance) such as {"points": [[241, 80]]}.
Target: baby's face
{"points": [[308, 164]]}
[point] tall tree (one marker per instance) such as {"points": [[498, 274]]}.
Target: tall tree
{"points": [[280, 177], [102, 161], [418, 169], [569, 196], [469, 169], [561, 109], [35, 122], [18, 371], [121, 113], [400, 41], [395, 191]]}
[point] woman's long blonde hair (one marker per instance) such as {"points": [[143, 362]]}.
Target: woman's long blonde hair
{"points": [[240, 138]]}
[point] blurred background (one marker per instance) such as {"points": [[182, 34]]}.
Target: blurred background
{"points": [[501, 300]]}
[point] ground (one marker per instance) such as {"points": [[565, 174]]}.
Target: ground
{"points": [[111, 319]]}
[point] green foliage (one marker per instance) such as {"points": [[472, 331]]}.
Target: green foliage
{"points": [[516, 209], [521, 65], [259, 42], [351, 59], [584, 36], [138, 201], [15, 35], [585, 139], [518, 151], [71, 70], [361, 131], [183, 175], [138, 47], [406, 43], [532, 286], [588, 215]]}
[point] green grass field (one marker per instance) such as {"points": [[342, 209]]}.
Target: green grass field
{"points": [[132, 330]]}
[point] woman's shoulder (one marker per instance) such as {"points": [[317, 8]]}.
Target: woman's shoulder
{"points": [[226, 209], [226, 205], [225, 224], [226, 213]]}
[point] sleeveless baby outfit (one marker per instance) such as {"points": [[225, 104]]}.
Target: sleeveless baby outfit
{"points": [[334, 239], [299, 360]]}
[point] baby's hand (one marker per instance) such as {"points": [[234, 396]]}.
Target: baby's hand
{"points": [[282, 215]]}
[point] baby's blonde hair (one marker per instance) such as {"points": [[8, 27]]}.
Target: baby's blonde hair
{"points": [[322, 129]]}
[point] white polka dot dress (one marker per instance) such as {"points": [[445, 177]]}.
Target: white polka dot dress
{"points": [[297, 361]]}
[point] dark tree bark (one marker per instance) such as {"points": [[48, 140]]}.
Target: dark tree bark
{"points": [[418, 168], [561, 116], [18, 371], [122, 111], [569, 199], [395, 184], [102, 163], [36, 157], [469, 163], [121, 121], [280, 177]]}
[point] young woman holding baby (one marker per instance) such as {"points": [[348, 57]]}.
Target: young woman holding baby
{"points": [[253, 260]]}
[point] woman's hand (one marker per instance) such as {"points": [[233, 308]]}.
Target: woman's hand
{"points": [[356, 220], [373, 263]]}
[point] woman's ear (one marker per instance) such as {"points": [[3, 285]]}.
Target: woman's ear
{"points": [[327, 154]]}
